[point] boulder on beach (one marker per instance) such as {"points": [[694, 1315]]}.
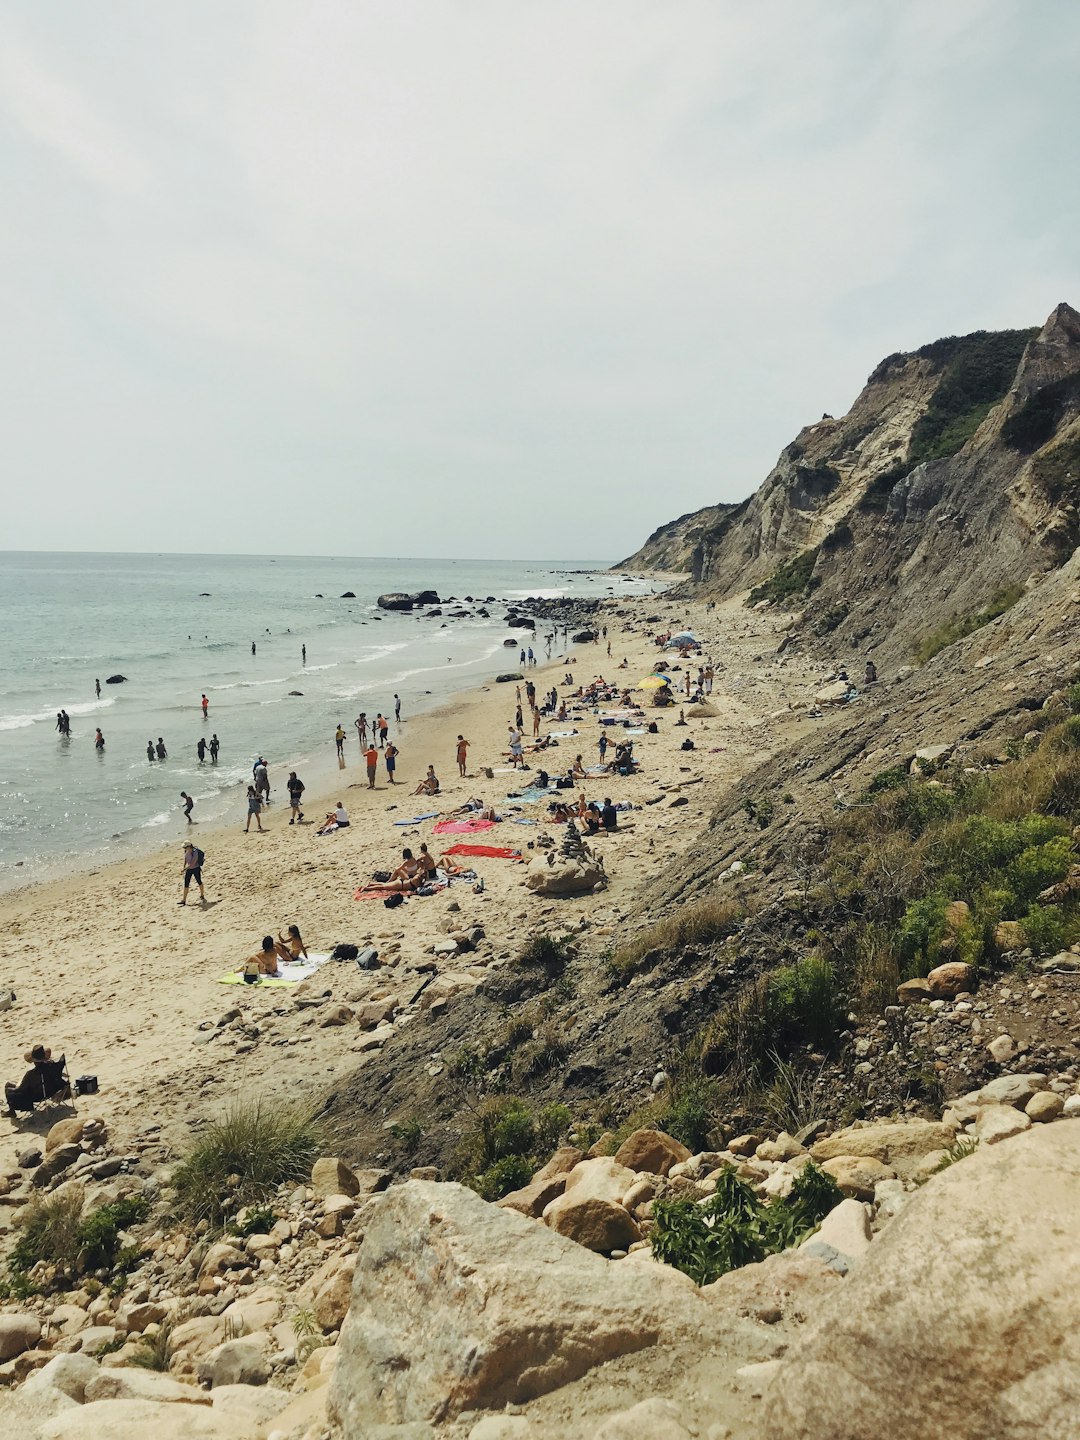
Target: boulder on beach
{"points": [[116, 680], [401, 600], [505, 679], [584, 637]]}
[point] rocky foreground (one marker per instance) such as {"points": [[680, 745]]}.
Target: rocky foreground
{"points": [[938, 1296]]}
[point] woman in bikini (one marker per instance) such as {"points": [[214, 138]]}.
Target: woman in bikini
{"points": [[293, 944], [409, 875]]}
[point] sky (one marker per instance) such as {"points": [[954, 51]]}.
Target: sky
{"points": [[493, 278]]}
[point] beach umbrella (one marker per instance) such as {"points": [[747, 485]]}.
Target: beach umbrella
{"points": [[652, 682]]}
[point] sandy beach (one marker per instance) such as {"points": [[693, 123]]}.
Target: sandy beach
{"points": [[109, 969]]}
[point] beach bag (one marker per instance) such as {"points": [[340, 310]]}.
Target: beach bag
{"points": [[380, 876], [687, 745], [392, 901], [368, 959], [344, 952]]}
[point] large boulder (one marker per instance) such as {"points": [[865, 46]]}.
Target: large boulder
{"points": [[651, 1151], [132, 1383], [460, 1305], [899, 1143], [331, 1176], [136, 1419], [18, 1333], [560, 876], [963, 1317]]}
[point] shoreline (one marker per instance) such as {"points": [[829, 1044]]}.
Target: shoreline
{"points": [[110, 970]]}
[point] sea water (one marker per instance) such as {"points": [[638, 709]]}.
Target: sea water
{"points": [[178, 626]]}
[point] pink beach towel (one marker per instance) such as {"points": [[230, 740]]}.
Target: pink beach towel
{"points": [[463, 827], [497, 852]]}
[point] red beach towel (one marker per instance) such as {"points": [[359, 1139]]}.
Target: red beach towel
{"points": [[496, 852], [463, 827]]}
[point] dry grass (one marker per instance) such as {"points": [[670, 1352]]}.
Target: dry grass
{"points": [[701, 923]]}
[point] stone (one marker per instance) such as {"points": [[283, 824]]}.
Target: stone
{"points": [[857, 1175], [533, 1199], [69, 1319], [256, 1405], [236, 1362], [787, 1286], [133, 1383], [54, 1164], [68, 1373], [331, 1302], [651, 1151], [565, 1159], [597, 1224], [899, 1143], [553, 875], [1002, 1049], [1009, 936], [1010, 1090], [652, 1419], [331, 1176], [957, 915], [18, 1333], [460, 1305], [253, 1312], [976, 1287], [846, 1228], [952, 979], [136, 1419], [95, 1338], [999, 1122], [1044, 1107], [914, 992], [601, 1178], [197, 1335], [371, 1181], [835, 693], [1072, 1108], [744, 1145], [784, 1147], [135, 1318], [64, 1132]]}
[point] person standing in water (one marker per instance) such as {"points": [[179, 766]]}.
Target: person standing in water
{"points": [[205, 706], [66, 727], [303, 654], [339, 741], [99, 740], [215, 746], [200, 750], [97, 688], [253, 647], [162, 753], [188, 806], [150, 750]]}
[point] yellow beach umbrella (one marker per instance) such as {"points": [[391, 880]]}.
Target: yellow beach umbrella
{"points": [[652, 682]]}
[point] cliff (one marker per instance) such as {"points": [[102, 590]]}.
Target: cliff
{"points": [[950, 486]]}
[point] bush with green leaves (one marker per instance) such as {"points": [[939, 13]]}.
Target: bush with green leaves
{"points": [[99, 1234], [243, 1158], [690, 1115], [789, 580], [734, 1228], [795, 1004]]}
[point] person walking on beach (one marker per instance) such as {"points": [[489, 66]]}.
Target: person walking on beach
{"points": [[295, 788], [150, 750], [162, 753], [462, 752], [390, 755], [254, 808], [397, 709], [200, 750], [371, 759], [205, 706], [97, 688], [339, 741], [193, 863], [189, 805], [361, 727], [99, 740], [514, 736], [215, 746]]}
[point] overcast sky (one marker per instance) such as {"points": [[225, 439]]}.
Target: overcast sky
{"points": [[493, 277]]}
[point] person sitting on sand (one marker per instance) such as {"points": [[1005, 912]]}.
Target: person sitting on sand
{"points": [[267, 958], [292, 942], [577, 770], [409, 875], [430, 783], [335, 820], [427, 862]]}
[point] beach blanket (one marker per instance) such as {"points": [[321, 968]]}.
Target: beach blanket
{"points": [[535, 792], [365, 894], [292, 972], [416, 819], [463, 827], [560, 734], [495, 852]]}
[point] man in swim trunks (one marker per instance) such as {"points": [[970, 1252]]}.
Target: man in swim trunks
{"points": [[390, 755], [296, 789], [371, 760], [339, 741]]}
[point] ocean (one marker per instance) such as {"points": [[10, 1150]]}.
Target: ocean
{"points": [[180, 625]]}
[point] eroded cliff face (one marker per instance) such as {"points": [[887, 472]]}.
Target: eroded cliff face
{"points": [[950, 486]]}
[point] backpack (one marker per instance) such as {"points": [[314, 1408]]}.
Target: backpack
{"points": [[199, 857]]}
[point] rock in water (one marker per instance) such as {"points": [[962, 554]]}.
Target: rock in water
{"points": [[460, 1305], [963, 1317], [116, 680]]}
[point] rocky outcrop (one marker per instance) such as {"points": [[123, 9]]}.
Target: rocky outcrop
{"points": [[962, 1318], [402, 600], [458, 1304]]}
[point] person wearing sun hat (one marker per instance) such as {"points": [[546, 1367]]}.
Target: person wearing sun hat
{"points": [[33, 1085]]}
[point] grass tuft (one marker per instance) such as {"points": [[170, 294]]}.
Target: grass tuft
{"points": [[243, 1158]]}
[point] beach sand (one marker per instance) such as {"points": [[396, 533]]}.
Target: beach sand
{"points": [[109, 969]]}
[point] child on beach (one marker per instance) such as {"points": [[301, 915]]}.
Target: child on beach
{"points": [[188, 806]]}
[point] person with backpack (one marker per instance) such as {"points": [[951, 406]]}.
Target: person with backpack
{"points": [[193, 863], [296, 790]]}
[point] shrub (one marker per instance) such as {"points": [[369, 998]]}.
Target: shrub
{"points": [[407, 1135], [244, 1157], [552, 1123], [547, 952], [1047, 930], [976, 377], [49, 1231], [509, 1173], [891, 779], [964, 625], [505, 1127], [795, 1004], [797, 1095], [99, 1234], [691, 1112], [793, 577], [1033, 424], [256, 1221], [733, 1228]]}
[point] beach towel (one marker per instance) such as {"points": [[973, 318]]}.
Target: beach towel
{"points": [[365, 894], [463, 827], [416, 819], [495, 852], [535, 792], [292, 972]]}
